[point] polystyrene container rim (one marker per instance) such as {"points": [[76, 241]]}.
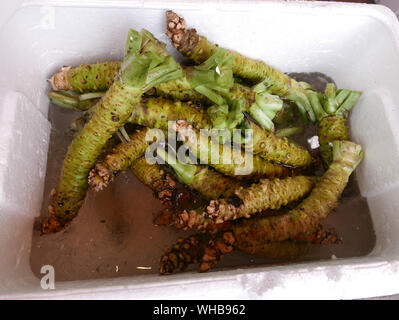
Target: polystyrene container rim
{"points": [[187, 285]]}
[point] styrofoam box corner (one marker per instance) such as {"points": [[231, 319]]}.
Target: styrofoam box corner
{"points": [[357, 45]]}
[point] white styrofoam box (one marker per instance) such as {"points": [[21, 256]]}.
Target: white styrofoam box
{"points": [[357, 45]]}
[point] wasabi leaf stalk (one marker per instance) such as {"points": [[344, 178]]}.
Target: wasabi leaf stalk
{"points": [[201, 178], [332, 110]]}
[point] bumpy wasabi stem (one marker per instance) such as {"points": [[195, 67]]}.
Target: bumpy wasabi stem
{"points": [[140, 71], [265, 195], [278, 150], [118, 160], [331, 113], [198, 49], [210, 152], [207, 250], [86, 78], [85, 149], [259, 198], [206, 82], [201, 178], [156, 112], [156, 178], [330, 129], [315, 208], [257, 101]]}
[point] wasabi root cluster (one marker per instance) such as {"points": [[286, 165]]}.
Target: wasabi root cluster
{"points": [[267, 196]]}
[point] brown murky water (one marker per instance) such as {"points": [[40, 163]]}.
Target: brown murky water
{"points": [[114, 234]]}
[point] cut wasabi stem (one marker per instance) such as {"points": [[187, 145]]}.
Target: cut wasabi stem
{"points": [[342, 95], [156, 178], [200, 178], [331, 111], [118, 160], [265, 107], [184, 171], [315, 208], [227, 116], [315, 98], [124, 134], [91, 95], [330, 102], [234, 162], [198, 49], [109, 115], [303, 104], [207, 249], [288, 132], [348, 103], [213, 77], [73, 102]]}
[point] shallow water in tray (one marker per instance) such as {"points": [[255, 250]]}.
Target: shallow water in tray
{"points": [[114, 234]]}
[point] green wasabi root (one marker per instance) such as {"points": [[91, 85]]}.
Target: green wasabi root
{"points": [[85, 149], [118, 160], [315, 208], [235, 164], [74, 101], [157, 112], [330, 129], [260, 198], [198, 49], [288, 249], [208, 249], [86, 78], [200, 83], [201, 178], [265, 195], [158, 179], [278, 150], [332, 110], [140, 72]]}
